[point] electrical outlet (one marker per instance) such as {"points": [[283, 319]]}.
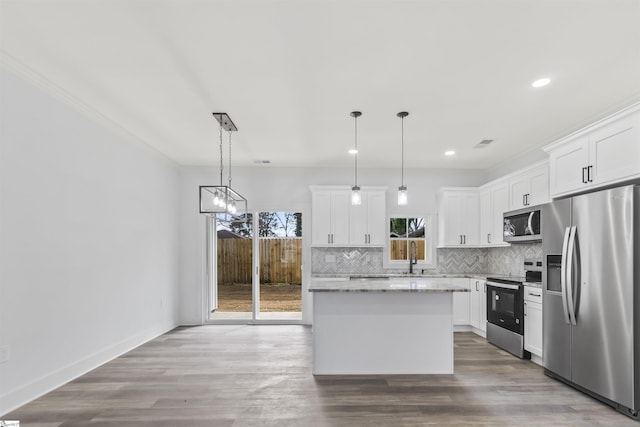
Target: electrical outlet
{"points": [[5, 353]]}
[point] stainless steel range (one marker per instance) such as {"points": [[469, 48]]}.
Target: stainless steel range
{"points": [[505, 308]]}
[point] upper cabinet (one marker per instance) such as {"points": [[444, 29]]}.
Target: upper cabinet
{"points": [[605, 153], [494, 201], [458, 217], [529, 188], [367, 220], [335, 222], [330, 217]]}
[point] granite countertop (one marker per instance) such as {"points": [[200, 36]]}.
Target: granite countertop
{"points": [[391, 284], [405, 275]]}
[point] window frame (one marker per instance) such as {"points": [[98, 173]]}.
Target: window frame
{"points": [[430, 261]]}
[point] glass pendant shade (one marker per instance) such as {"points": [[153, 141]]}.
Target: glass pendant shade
{"points": [[402, 195], [356, 197], [402, 190]]}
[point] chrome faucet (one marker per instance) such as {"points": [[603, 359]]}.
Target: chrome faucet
{"points": [[413, 256]]}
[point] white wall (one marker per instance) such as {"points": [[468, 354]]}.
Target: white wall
{"points": [[273, 188], [88, 243]]}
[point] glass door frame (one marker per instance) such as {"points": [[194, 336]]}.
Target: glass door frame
{"points": [[211, 277]]}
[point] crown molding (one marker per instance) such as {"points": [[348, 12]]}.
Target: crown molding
{"points": [[23, 71]]}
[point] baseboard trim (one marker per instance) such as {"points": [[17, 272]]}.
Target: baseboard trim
{"points": [[13, 399]]}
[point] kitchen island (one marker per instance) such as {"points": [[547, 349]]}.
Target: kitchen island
{"points": [[382, 326]]}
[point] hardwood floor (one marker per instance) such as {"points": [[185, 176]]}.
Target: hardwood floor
{"points": [[261, 376]]}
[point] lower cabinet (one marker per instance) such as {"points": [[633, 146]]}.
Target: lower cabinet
{"points": [[461, 303], [533, 320], [478, 305]]}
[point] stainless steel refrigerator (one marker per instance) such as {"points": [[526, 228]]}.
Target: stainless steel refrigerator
{"points": [[591, 302]]}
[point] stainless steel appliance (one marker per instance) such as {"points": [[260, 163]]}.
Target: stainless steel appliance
{"points": [[591, 295], [505, 308], [522, 225]]}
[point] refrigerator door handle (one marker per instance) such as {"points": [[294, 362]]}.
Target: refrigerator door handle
{"points": [[563, 275], [569, 282]]}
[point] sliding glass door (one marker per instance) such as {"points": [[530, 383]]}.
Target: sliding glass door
{"points": [[256, 273]]}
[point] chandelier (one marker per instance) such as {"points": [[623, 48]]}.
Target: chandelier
{"points": [[222, 199]]}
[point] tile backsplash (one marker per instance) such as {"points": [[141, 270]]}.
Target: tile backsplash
{"points": [[346, 260], [510, 260], [503, 260]]}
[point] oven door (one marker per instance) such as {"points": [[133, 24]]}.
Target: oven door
{"points": [[505, 306]]}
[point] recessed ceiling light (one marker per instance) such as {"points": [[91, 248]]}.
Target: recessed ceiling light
{"points": [[449, 153], [353, 151], [541, 82]]}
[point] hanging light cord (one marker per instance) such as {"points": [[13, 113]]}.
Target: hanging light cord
{"points": [[356, 147], [402, 170], [229, 159], [221, 165]]}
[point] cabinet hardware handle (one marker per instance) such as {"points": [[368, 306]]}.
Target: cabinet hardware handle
{"points": [[488, 237], [584, 179], [464, 238], [328, 238], [535, 295], [477, 286], [525, 308], [589, 169], [460, 238], [524, 200]]}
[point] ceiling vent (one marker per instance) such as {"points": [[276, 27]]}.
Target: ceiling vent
{"points": [[483, 143]]}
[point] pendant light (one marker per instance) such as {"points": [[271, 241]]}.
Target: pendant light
{"points": [[356, 197], [221, 198], [402, 190]]}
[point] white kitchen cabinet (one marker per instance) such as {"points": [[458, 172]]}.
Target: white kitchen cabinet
{"points": [[458, 217], [567, 166], [494, 201], [336, 222], [533, 320], [478, 305], [330, 217], [461, 303], [605, 153], [367, 220], [529, 188]]}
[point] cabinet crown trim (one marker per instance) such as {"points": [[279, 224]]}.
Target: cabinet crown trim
{"points": [[504, 179], [633, 108]]}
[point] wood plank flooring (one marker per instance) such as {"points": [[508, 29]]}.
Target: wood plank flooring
{"points": [[222, 375]]}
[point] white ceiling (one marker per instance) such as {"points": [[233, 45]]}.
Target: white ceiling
{"points": [[290, 72]]}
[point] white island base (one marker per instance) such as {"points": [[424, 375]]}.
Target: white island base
{"points": [[382, 333]]}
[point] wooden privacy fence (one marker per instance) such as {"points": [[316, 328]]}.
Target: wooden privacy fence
{"points": [[280, 260]]}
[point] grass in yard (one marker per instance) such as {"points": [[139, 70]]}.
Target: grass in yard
{"points": [[273, 297]]}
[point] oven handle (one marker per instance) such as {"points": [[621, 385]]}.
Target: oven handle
{"points": [[502, 285], [563, 275]]}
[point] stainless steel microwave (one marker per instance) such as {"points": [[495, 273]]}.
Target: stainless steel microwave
{"points": [[522, 225]]}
